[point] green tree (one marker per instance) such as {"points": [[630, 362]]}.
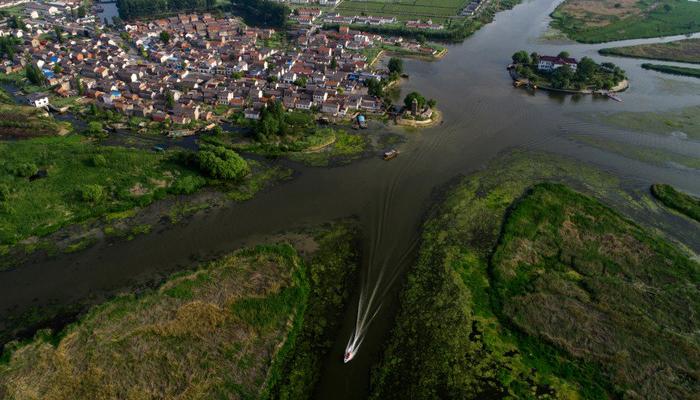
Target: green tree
{"points": [[432, 103], [374, 87], [222, 163], [334, 63], [169, 100], [408, 100], [81, 12], [521, 57], [34, 74], [395, 65], [165, 37], [564, 54]]}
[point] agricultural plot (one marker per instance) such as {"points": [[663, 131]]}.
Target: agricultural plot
{"points": [[437, 10]]}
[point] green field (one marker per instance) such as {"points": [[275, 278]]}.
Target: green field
{"points": [[541, 293], [437, 10], [610, 20], [687, 50], [673, 70]]}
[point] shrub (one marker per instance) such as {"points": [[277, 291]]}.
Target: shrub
{"points": [[4, 193], [24, 170], [92, 193], [187, 185], [220, 162], [98, 160]]}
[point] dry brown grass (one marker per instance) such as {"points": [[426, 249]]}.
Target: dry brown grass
{"points": [[181, 342], [600, 12]]}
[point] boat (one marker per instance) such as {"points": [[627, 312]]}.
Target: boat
{"points": [[349, 355], [393, 153], [614, 96]]}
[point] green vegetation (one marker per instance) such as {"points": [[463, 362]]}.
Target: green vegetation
{"points": [[221, 163], [670, 69], [24, 121], [609, 20], [684, 122], [439, 11], [263, 13], [83, 180], [130, 9], [555, 303], [687, 50], [681, 202], [210, 333], [588, 75], [332, 274]]}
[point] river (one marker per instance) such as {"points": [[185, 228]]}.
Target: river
{"points": [[484, 116]]}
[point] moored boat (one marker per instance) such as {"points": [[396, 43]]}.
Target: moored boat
{"points": [[393, 153]]}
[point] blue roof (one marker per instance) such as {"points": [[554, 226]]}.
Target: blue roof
{"points": [[48, 73], [116, 93], [54, 59]]}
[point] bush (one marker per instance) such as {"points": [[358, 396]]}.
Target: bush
{"points": [[4, 193], [98, 160], [23, 170], [187, 185], [92, 193], [220, 162]]}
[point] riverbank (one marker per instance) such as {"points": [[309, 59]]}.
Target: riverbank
{"points": [[673, 70], [541, 84]]}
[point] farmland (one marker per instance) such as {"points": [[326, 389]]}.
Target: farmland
{"points": [[440, 11], [590, 21]]}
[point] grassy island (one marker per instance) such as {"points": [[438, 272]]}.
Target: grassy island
{"points": [[681, 202], [541, 293], [237, 327], [673, 70], [609, 20], [565, 73], [687, 50]]}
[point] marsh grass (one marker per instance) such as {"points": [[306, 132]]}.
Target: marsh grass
{"points": [[211, 333], [681, 202]]}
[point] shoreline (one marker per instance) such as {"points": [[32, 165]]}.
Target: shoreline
{"points": [[518, 81], [435, 119]]}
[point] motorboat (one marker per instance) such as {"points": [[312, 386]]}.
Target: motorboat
{"points": [[393, 153], [349, 355]]}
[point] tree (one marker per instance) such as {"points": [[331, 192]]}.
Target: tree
{"points": [[59, 33], [220, 162], [562, 76], [169, 100], [564, 54], [81, 11], [261, 13], [408, 100], [374, 87], [165, 37], [521, 57], [34, 74], [534, 58], [432, 103], [586, 69], [395, 65], [301, 81], [334, 63]]}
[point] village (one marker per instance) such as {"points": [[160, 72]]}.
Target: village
{"points": [[190, 70]]}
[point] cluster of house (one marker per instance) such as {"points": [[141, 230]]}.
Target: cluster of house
{"points": [[550, 63], [472, 8], [418, 24], [319, 2], [206, 62], [41, 17]]}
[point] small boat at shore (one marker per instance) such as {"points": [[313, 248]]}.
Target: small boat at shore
{"points": [[388, 155], [613, 96]]}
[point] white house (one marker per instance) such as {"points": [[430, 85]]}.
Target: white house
{"points": [[38, 100], [549, 63]]}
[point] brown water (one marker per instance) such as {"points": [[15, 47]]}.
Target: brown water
{"points": [[484, 116]]}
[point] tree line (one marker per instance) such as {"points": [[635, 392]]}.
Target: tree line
{"points": [[130, 9], [262, 13]]}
